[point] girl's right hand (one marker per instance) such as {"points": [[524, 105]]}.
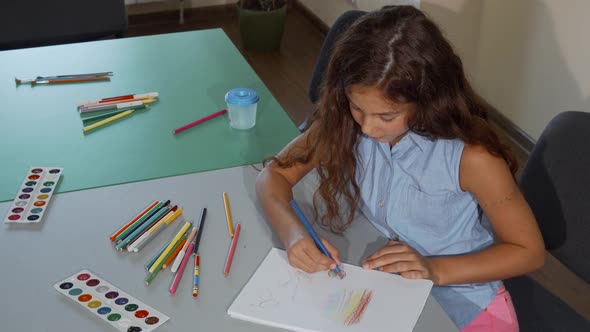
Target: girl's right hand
{"points": [[303, 254]]}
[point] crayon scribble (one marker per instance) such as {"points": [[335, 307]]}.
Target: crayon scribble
{"points": [[348, 306]]}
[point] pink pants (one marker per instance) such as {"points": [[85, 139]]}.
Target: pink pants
{"points": [[499, 316]]}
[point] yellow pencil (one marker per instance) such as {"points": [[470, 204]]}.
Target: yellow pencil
{"points": [[166, 220], [230, 225], [170, 246], [154, 230], [107, 120]]}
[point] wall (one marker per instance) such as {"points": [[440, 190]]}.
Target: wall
{"points": [[329, 10], [150, 6], [533, 59], [527, 58]]}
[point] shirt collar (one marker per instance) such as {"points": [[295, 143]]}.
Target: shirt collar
{"points": [[418, 140], [410, 138]]}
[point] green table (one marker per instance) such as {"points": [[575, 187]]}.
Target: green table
{"points": [[40, 126]]}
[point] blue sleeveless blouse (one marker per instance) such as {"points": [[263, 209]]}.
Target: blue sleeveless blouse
{"points": [[411, 193]]}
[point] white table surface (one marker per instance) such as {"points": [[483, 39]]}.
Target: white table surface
{"points": [[73, 235]]}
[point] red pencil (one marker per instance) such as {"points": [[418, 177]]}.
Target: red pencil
{"points": [[232, 249], [116, 98], [192, 124]]}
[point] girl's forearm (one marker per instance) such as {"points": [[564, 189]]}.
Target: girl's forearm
{"points": [[274, 193], [498, 262]]}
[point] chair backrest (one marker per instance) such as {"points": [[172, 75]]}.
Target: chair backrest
{"points": [[340, 25], [556, 184], [34, 23]]}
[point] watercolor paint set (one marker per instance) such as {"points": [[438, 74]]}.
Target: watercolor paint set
{"points": [[34, 195], [110, 303]]}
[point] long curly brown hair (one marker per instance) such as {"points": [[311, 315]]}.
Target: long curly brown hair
{"points": [[401, 51]]}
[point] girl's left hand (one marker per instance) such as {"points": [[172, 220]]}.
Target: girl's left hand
{"points": [[398, 257]]}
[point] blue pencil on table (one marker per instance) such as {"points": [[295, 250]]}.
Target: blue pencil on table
{"points": [[338, 271], [140, 229], [138, 222]]}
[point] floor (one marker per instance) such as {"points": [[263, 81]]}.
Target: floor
{"points": [[287, 72]]}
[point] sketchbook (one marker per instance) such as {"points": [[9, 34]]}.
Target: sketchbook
{"points": [[281, 296]]}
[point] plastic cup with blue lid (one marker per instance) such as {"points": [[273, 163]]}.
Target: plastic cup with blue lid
{"points": [[241, 107]]}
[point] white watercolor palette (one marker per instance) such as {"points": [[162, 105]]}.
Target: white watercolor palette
{"points": [[122, 311], [34, 195]]}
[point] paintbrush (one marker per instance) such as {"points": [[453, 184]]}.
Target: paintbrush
{"points": [[74, 78]]}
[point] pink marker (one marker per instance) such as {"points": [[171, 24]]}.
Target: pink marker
{"points": [[192, 124], [178, 275], [232, 250]]}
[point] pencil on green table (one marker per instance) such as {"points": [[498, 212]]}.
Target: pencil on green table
{"points": [[107, 120]]}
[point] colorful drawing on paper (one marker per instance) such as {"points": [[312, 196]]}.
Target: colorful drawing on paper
{"points": [[286, 289], [347, 306]]}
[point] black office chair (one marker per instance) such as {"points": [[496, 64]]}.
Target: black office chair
{"points": [[341, 25], [40, 22], [556, 184]]}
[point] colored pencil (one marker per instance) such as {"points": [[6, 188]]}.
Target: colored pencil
{"points": [[149, 264], [230, 225], [164, 219], [122, 105], [158, 265], [174, 254], [231, 251], [141, 228], [180, 256], [154, 231], [200, 232], [138, 222], [161, 259], [178, 275], [314, 236], [87, 117], [155, 219], [107, 120], [192, 124], [118, 98], [112, 237], [196, 277]]}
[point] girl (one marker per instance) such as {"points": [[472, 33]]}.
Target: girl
{"points": [[400, 135]]}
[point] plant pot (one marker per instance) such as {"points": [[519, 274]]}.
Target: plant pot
{"points": [[262, 30]]}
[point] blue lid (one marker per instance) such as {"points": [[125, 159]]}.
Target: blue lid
{"points": [[241, 96]]}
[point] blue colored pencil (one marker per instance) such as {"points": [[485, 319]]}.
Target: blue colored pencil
{"points": [[139, 230], [313, 234], [138, 222]]}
